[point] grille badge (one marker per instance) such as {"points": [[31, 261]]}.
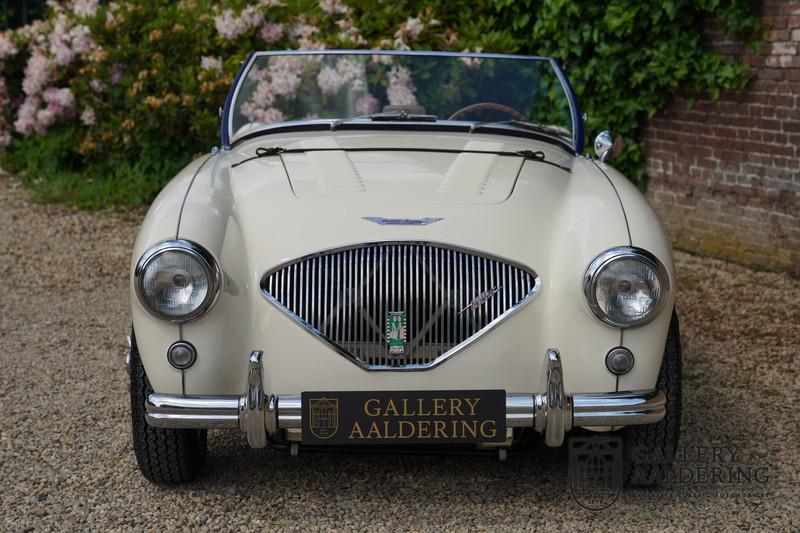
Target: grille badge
{"points": [[396, 332], [482, 298]]}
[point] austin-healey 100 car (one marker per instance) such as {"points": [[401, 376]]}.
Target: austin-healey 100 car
{"points": [[407, 250]]}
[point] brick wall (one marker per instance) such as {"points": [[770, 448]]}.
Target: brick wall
{"points": [[725, 175]]}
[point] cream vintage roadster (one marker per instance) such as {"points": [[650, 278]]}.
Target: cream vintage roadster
{"points": [[405, 250]]}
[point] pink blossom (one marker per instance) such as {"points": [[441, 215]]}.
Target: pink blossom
{"points": [[302, 31], [285, 83], [7, 46], [333, 7], [271, 32], [306, 43], [37, 73], [268, 116], [472, 62], [367, 104], [330, 81], [116, 73], [44, 119], [264, 95], [400, 44], [5, 138], [84, 8], [382, 59], [410, 29], [81, 39], [254, 114], [60, 101], [88, 116], [349, 31], [66, 41], [96, 85], [401, 89], [352, 71], [258, 73], [252, 17], [211, 63], [59, 41], [3, 92], [248, 110], [229, 26], [26, 115], [283, 73]]}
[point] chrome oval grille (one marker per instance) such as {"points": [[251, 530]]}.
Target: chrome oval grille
{"points": [[447, 296]]}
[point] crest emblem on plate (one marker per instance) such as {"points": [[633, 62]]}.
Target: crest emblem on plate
{"points": [[396, 332], [324, 417], [595, 471]]}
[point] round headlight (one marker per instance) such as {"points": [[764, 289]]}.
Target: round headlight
{"points": [[626, 286], [177, 280]]}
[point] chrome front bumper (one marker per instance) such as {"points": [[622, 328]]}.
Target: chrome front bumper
{"points": [[552, 413]]}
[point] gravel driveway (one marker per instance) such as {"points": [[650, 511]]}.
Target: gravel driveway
{"points": [[66, 460]]}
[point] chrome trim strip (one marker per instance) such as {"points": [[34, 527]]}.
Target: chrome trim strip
{"points": [[524, 295], [180, 411], [606, 258], [207, 263], [619, 408], [290, 410], [403, 221]]}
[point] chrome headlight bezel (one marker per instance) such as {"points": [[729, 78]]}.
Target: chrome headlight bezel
{"points": [[202, 256], [625, 252]]}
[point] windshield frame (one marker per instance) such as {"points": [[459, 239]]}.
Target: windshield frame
{"points": [[226, 124]]}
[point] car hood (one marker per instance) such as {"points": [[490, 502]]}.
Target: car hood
{"points": [[332, 168], [330, 190]]}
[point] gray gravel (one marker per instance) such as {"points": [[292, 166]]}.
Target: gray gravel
{"points": [[66, 460]]}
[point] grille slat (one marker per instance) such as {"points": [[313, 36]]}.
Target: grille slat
{"points": [[449, 296]]}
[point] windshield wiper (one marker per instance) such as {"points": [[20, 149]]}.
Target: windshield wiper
{"points": [[530, 126], [401, 114]]}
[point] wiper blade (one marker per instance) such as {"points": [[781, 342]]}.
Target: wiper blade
{"points": [[530, 126], [401, 114]]}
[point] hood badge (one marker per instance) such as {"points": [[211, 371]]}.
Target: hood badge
{"points": [[403, 221], [482, 298]]}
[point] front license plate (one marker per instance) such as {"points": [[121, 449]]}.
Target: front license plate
{"points": [[404, 417]]}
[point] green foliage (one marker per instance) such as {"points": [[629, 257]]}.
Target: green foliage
{"points": [[154, 103], [626, 59]]}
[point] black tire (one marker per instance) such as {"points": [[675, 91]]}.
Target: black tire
{"points": [[165, 456], [650, 449]]}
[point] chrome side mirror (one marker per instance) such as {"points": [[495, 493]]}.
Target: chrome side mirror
{"points": [[607, 145]]}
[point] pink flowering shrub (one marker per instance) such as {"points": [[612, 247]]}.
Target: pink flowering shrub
{"points": [[106, 101]]}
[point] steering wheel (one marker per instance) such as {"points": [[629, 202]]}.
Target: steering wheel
{"points": [[489, 105]]}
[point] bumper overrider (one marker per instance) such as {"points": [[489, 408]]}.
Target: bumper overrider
{"points": [[551, 413]]}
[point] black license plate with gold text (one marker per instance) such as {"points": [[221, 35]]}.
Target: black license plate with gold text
{"points": [[404, 417]]}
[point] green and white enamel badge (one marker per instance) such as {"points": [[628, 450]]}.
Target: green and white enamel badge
{"points": [[396, 332]]}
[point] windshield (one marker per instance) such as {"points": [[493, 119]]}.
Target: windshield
{"points": [[519, 92]]}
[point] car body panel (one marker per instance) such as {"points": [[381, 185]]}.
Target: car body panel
{"points": [[646, 232], [553, 220], [160, 224]]}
